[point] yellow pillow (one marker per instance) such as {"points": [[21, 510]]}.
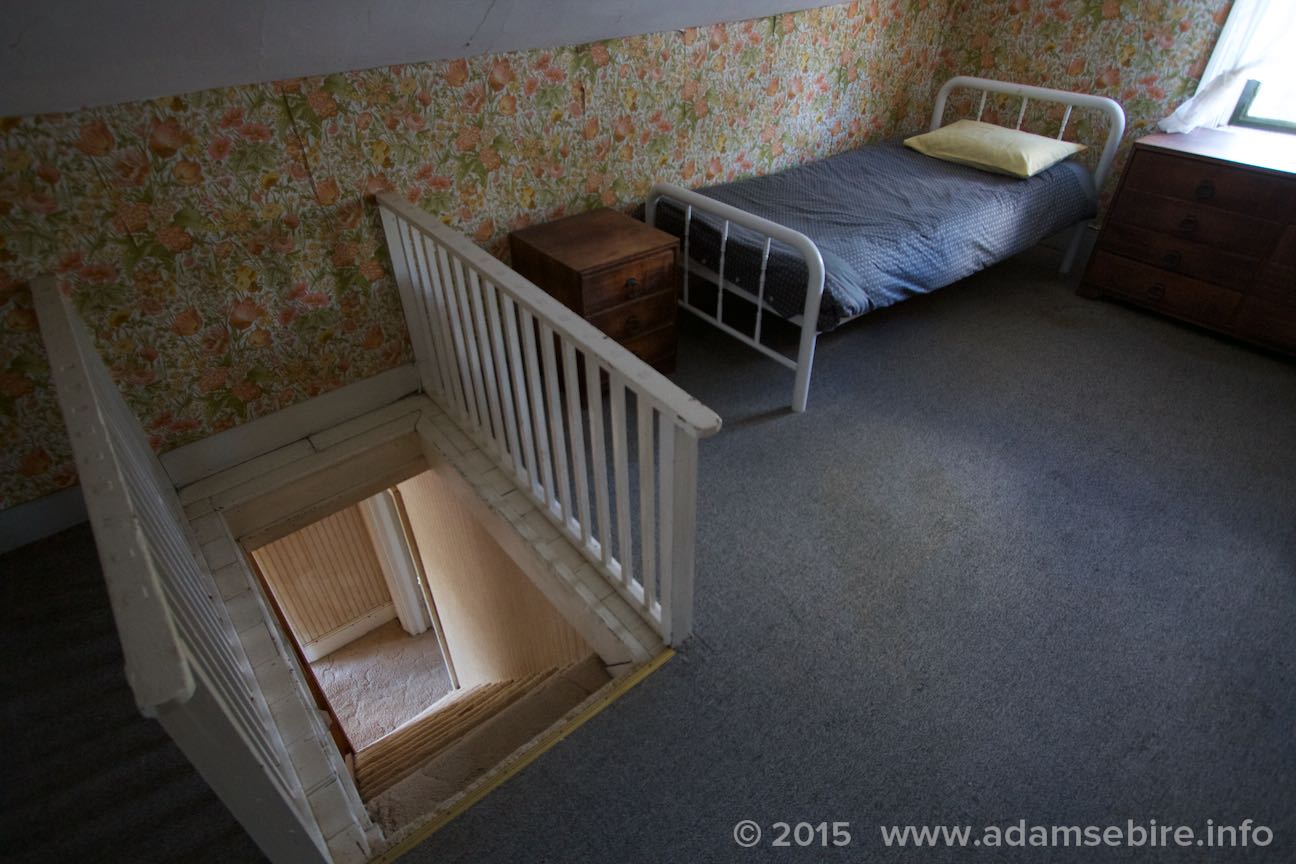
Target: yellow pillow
{"points": [[993, 148]]}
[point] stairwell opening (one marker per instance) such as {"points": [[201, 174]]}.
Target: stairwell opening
{"points": [[434, 655]]}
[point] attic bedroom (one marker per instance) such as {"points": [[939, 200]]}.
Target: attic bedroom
{"points": [[879, 419]]}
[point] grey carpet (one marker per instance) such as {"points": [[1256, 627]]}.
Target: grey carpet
{"points": [[85, 777], [381, 680], [1028, 556]]}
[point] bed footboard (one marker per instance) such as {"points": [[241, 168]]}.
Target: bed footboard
{"points": [[727, 215]]}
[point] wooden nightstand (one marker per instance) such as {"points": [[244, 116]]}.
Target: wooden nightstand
{"points": [[612, 270], [1203, 228]]}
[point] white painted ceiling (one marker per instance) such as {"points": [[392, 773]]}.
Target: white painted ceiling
{"points": [[61, 55]]}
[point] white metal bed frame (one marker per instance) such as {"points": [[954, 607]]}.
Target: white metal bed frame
{"points": [[808, 319]]}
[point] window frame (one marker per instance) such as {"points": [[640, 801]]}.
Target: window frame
{"points": [[1242, 116]]}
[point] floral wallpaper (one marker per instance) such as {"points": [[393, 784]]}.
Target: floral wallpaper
{"points": [[1146, 54], [224, 249]]}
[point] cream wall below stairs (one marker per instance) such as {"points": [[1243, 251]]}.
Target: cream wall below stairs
{"points": [[497, 623]]}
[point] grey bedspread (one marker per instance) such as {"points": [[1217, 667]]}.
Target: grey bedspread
{"points": [[889, 222]]}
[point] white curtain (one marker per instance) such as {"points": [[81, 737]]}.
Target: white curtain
{"points": [[1256, 42]]}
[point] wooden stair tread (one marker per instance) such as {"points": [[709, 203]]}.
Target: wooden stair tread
{"points": [[405, 750], [433, 726], [487, 746]]}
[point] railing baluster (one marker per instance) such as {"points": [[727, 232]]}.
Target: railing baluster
{"points": [[538, 409], [981, 107], [666, 536], [576, 429], [489, 379], [432, 315], [557, 438], [513, 326], [1022, 113], [621, 477], [413, 299], [436, 283], [598, 454], [460, 338], [506, 388], [472, 346], [647, 506]]}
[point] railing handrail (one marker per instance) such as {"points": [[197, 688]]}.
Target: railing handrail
{"points": [[669, 398], [157, 667]]}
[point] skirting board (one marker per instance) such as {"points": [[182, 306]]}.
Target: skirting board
{"points": [[34, 520], [249, 440], [346, 634]]}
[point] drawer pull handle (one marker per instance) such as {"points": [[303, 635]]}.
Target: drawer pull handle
{"points": [[1172, 259], [632, 325], [1156, 291], [1188, 224], [1205, 190], [633, 287]]}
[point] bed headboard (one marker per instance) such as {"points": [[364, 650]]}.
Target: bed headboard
{"points": [[1109, 107]]}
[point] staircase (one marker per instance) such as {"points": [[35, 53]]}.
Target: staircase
{"points": [[404, 750], [408, 773]]}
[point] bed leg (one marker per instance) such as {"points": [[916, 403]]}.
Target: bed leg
{"points": [[1073, 247], [805, 360]]}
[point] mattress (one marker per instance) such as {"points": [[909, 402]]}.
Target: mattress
{"points": [[889, 222]]}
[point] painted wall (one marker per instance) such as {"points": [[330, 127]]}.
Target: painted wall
{"points": [[77, 53], [497, 624], [220, 245], [325, 576]]}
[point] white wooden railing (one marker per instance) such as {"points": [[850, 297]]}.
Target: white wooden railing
{"points": [[602, 442], [184, 661]]}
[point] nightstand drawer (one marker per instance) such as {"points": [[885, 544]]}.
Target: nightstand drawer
{"points": [[637, 317], [629, 281], [1243, 235], [654, 348], [1285, 253], [1163, 291], [1269, 322], [1209, 184], [1180, 256]]}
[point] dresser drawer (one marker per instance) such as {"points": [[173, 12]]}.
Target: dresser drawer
{"points": [[1265, 321], [655, 348], [1277, 279], [1284, 254], [1234, 232], [637, 278], [637, 317], [1209, 183], [1167, 252], [1166, 292]]}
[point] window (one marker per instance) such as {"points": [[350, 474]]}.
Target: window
{"points": [[1267, 105]]}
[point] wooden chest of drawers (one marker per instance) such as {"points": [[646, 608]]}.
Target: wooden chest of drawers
{"points": [[1203, 229], [612, 270]]}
